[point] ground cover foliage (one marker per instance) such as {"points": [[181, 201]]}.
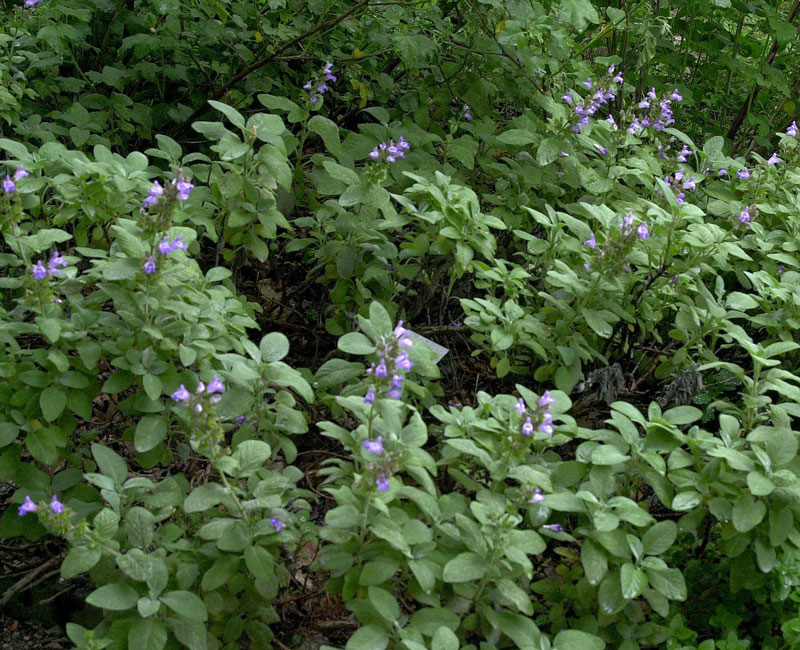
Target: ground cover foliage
{"points": [[218, 220]]}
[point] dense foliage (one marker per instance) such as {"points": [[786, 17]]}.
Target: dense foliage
{"points": [[223, 224]]}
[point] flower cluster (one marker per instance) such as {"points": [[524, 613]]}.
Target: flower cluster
{"points": [[29, 506], [393, 363], [586, 109], [390, 152], [658, 113], [319, 85], [215, 386], [32, 3], [9, 184], [467, 113], [792, 130], [613, 253], [165, 248], [54, 266], [178, 188], [541, 415], [745, 216], [376, 447], [680, 185]]}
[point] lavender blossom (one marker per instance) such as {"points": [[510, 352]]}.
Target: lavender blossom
{"points": [[150, 265], [20, 173], [792, 130], [722, 172], [527, 427], [642, 230], [277, 524], [520, 407], [55, 264], [8, 185], [240, 419], [773, 159], [546, 399], [39, 271], [183, 187], [376, 446], [215, 385], [152, 195], [556, 528], [743, 173], [181, 395], [56, 506], [383, 483], [369, 398], [601, 148], [467, 113], [27, 506], [537, 497], [744, 217]]}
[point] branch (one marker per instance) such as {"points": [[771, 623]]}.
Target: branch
{"points": [[255, 65]]}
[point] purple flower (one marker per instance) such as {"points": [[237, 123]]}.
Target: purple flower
{"points": [[375, 154], [328, 72], [642, 230], [215, 385], [567, 98], [601, 148], [773, 159], [152, 195], [150, 265], [308, 85], [277, 524], [183, 186], [181, 395], [369, 398], [618, 78], [383, 483], [675, 96], [744, 217], [792, 130], [56, 506], [32, 3], [634, 128], [546, 399], [403, 361], [164, 248], [556, 528], [467, 114], [627, 222], [240, 419], [520, 407], [546, 425], [685, 151], [681, 198], [20, 173], [376, 446], [55, 264], [537, 497], [201, 388], [645, 103], [39, 271], [380, 369], [743, 173], [678, 175], [26, 507], [401, 334], [587, 84], [8, 185], [690, 184], [527, 428], [591, 242], [722, 172]]}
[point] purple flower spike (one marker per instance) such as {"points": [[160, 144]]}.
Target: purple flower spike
{"points": [[369, 398], [383, 483], [8, 185], [527, 428], [277, 524], [642, 230], [537, 497], [376, 446], [181, 395], [56, 506], [591, 242], [150, 265], [215, 385], [546, 399], [39, 271], [28, 506], [792, 130]]}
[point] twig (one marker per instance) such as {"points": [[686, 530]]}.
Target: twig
{"points": [[267, 59], [25, 582], [335, 624]]}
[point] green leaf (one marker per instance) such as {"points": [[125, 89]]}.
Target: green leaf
{"points": [[110, 463], [633, 581], [328, 131], [759, 484], [260, 562], [668, 582], [445, 639], [116, 596], [464, 567], [580, 13], [595, 563], [384, 603], [659, 537], [518, 137], [147, 634], [274, 347], [684, 501], [369, 637], [608, 455], [149, 433], [355, 343], [548, 150], [79, 560], [230, 112], [204, 497], [747, 513], [681, 415], [577, 640], [52, 401], [186, 604]]}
